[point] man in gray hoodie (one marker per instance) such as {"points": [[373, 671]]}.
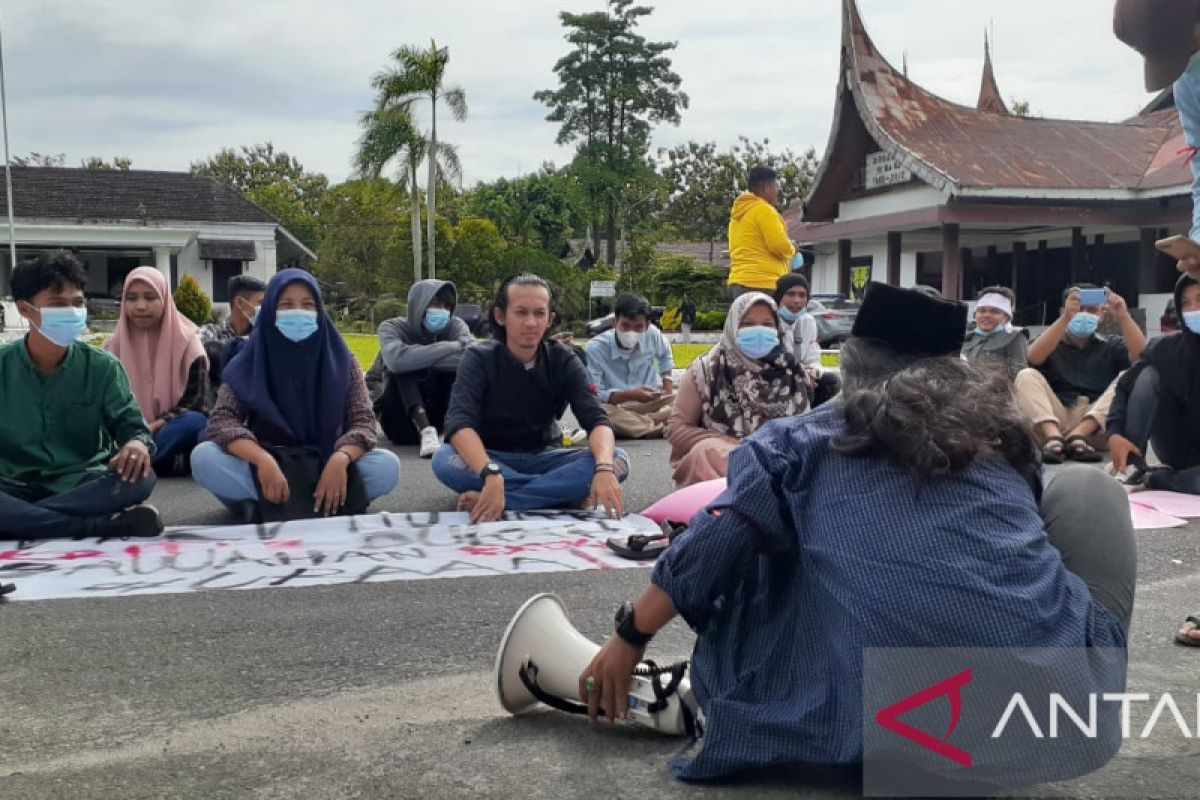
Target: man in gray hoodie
{"points": [[417, 361]]}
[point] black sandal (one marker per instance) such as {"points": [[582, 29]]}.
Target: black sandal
{"points": [[1187, 641], [1078, 449], [640, 547], [1054, 450]]}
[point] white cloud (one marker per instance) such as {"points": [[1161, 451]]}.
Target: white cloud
{"points": [[167, 82]]}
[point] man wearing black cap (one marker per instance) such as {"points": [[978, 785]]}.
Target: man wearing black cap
{"points": [[900, 517], [800, 331]]}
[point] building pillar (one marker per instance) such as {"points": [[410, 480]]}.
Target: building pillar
{"points": [[843, 280], [1147, 260], [893, 259], [952, 266], [1019, 259], [162, 261], [1078, 255]]}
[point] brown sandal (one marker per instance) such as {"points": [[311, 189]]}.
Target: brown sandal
{"points": [[1054, 450], [1078, 449]]}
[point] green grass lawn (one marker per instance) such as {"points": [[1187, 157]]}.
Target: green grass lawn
{"points": [[365, 347]]}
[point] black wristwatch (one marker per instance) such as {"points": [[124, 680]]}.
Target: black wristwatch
{"points": [[489, 470], [627, 629]]}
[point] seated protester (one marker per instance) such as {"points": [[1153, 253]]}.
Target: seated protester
{"points": [[1072, 376], [166, 365], [222, 340], [74, 450], [743, 383], [858, 526], [631, 367], [294, 384], [995, 342], [800, 331], [1157, 403], [419, 356], [502, 426]]}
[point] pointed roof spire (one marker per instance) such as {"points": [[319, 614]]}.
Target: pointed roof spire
{"points": [[905, 61], [990, 99]]}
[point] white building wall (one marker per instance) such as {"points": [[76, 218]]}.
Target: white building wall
{"points": [[188, 263]]}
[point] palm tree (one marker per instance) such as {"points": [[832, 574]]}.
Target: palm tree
{"points": [[390, 134], [419, 75]]}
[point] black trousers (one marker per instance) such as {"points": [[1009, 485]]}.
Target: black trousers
{"points": [[404, 392]]}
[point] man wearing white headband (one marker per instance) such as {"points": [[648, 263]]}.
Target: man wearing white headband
{"points": [[994, 342]]}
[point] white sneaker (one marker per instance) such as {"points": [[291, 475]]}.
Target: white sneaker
{"points": [[430, 442]]}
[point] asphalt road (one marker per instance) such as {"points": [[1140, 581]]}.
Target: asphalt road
{"points": [[384, 690]]}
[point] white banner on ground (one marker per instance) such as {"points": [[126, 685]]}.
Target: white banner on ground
{"points": [[365, 549]]}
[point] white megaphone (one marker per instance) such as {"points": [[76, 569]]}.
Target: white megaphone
{"points": [[542, 656]]}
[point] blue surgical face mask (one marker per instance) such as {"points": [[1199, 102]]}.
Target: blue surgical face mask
{"points": [[1083, 324], [62, 325], [788, 316], [981, 332], [757, 341], [296, 324], [1192, 320], [436, 320]]}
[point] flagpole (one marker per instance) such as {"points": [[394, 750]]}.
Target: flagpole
{"points": [[12, 235]]}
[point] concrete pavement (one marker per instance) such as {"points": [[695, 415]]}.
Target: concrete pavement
{"points": [[384, 690]]}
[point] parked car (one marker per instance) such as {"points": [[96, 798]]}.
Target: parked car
{"points": [[834, 316], [1169, 322], [101, 305], [475, 317], [601, 324]]}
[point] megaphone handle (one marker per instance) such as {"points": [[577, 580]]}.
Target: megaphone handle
{"points": [[554, 701]]}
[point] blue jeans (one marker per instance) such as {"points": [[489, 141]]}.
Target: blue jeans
{"points": [[229, 478], [179, 436], [549, 479], [27, 512]]}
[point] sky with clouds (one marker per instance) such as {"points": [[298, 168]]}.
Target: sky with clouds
{"points": [[168, 82]]}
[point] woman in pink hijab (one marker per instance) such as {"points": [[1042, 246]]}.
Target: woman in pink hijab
{"points": [[166, 364]]}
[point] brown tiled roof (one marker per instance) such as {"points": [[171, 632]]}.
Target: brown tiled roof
{"points": [[108, 195], [957, 148]]}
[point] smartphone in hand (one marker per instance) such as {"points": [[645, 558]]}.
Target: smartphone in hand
{"points": [[1093, 297]]}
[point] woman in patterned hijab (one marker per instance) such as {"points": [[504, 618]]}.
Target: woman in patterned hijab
{"points": [[747, 380]]}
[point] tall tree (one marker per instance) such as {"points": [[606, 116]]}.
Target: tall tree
{"points": [[389, 134], [702, 184], [539, 209], [362, 244], [415, 76], [274, 180], [613, 87]]}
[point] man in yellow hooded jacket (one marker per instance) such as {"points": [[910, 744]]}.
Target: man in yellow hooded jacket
{"points": [[759, 248]]}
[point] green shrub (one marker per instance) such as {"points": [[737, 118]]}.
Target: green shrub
{"points": [[710, 320], [389, 308], [671, 320], [192, 302]]}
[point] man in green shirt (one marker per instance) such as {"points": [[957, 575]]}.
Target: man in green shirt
{"points": [[74, 450]]}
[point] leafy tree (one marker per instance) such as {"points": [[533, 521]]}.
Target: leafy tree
{"points": [[362, 239], [477, 261], [118, 163], [1020, 108], [702, 184], [539, 209], [192, 302], [36, 159], [274, 180], [613, 87], [796, 172], [390, 134], [419, 75]]}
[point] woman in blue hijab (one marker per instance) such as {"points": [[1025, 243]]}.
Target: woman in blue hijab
{"points": [[293, 385]]}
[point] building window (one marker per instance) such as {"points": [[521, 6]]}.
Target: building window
{"points": [[929, 270], [222, 270]]}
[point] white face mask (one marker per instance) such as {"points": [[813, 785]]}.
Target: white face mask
{"points": [[629, 339]]}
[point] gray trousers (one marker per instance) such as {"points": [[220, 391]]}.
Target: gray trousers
{"points": [[1087, 519]]}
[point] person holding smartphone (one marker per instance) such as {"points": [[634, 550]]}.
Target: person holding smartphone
{"points": [[631, 366], [1072, 374]]}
